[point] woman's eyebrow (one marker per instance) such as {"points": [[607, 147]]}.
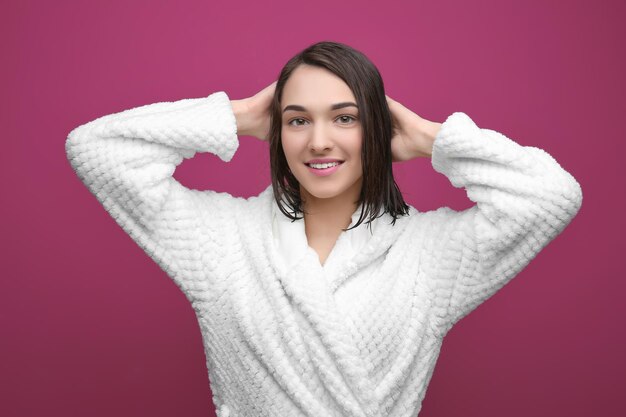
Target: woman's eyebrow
{"points": [[335, 106]]}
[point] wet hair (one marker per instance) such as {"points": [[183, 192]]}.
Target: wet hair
{"points": [[379, 193]]}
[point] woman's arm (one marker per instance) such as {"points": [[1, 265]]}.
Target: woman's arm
{"points": [[127, 160], [523, 197]]}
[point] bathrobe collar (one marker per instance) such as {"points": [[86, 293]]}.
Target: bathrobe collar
{"points": [[353, 250], [291, 241]]}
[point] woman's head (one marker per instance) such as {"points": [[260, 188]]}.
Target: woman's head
{"points": [[304, 127]]}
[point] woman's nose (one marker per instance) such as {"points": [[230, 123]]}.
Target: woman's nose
{"points": [[320, 138]]}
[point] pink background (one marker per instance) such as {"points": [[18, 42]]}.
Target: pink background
{"points": [[91, 326]]}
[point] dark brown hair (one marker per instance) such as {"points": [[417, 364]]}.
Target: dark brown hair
{"points": [[379, 189]]}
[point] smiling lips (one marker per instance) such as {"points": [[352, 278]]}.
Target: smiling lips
{"points": [[323, 167]]}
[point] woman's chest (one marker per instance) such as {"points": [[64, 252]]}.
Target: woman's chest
{"points": [[373, 305], [363, 329]]}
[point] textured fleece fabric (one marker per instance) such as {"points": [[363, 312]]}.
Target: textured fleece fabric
{"points": [[284, 335]]}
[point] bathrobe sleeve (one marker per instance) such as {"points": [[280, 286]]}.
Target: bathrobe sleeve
{"points": [[523, 197], [127, 161]]}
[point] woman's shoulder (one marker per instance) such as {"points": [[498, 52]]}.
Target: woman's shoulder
{"points": [[231, 216], [256, 208], [439, 219], [208, 198]]}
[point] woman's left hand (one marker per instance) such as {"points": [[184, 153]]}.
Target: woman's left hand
{"points": [[413, 135]]}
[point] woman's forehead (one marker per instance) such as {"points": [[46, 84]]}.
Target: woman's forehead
{"points": [[318, 88]]}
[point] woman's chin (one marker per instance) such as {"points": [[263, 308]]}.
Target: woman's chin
{"points": [[331, 189], [321, 192]]}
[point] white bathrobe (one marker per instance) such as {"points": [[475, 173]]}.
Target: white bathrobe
{"points": [[284, 335]]}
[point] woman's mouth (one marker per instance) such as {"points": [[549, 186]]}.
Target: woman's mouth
{"points": [[324, 169]]}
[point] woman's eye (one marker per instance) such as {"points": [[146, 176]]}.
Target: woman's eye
{"points": [[345, 119], [349, 118], [293, 120]]}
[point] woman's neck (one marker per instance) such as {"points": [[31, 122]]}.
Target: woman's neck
{"points": [[327, 216]]}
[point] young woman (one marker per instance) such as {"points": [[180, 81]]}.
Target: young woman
{"points": [[326, 294]]}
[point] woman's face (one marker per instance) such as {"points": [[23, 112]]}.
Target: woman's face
{"points": [[313, 130]]}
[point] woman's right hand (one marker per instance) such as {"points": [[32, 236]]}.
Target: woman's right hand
{"points": [[253, 113]]}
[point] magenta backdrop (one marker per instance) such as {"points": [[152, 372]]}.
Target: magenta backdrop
{"points": [[91, 326]]}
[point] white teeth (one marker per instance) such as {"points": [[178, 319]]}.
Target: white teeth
{"points": [[322, 166]]}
